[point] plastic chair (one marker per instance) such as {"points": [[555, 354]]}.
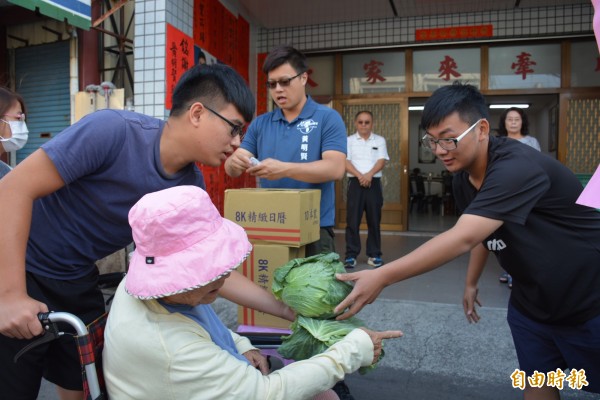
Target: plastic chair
{"points": [[434, 197], [417, 193]]}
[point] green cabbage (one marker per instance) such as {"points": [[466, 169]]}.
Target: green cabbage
{"points": [[308, 285], [313, 336]]}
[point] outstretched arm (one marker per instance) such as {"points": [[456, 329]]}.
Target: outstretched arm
{"points": [[477, 261], [466, 234], [35, 177], [243, 291]]}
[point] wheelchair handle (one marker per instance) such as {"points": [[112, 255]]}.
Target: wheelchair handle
{"points": [[48, 321], [48, 318]]}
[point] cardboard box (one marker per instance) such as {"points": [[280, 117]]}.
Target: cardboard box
{"points": [[259, 267], [284, 216]]}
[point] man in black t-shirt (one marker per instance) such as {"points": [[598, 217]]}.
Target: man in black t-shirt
{"points": [[519, 204]]}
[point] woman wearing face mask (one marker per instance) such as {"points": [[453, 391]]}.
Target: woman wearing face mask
{"points": [[13, 130]]}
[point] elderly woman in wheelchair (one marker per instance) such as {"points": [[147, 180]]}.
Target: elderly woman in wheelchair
{"points": [[163, 339]]}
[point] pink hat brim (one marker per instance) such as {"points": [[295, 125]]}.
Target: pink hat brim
{"points": [[194, 267]]}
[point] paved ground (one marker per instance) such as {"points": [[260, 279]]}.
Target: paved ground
{"points": [[440, 356]]}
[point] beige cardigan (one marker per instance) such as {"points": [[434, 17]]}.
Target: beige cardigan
{"points": [[150, 353]]}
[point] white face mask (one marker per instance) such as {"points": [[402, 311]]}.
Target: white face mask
{"points": [[19, 136]]}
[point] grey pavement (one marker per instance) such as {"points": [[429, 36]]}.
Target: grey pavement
{"points": [[441, 356]]}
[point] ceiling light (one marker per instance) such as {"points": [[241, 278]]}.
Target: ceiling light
{"points": [[504, 106], [416, 108]]}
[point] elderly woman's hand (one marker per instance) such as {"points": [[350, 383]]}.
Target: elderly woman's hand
{"points": [[377, 339], [258, 361]]}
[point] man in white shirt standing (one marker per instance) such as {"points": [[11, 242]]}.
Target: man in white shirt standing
{"points": [[367, 154]]}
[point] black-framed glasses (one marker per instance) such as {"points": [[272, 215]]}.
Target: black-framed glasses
{"points": [[446, 143], [235, 128], [285, 82]]}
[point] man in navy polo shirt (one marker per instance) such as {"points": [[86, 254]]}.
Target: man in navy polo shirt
{"points": [[300, 145]]}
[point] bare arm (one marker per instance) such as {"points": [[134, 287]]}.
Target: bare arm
{"points": [[466, 234], [331, 167], [243, 291], [368, 177], [477, 261], [377, 167], [479, 256], [35, 177], [350, 168]]}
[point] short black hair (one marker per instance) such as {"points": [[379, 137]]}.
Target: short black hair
{"points": [[363, 112], [285, 54], [524, 125], [215, 85], [459, 97]]}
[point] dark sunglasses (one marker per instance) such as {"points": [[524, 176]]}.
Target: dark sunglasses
{"points": [[282, 82], [235, 128]]}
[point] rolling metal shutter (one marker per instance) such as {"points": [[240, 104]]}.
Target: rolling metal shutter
{"points": [[42, 78]]}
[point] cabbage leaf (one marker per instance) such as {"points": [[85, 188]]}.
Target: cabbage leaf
{"points": [[308, 285], [313, 336]]}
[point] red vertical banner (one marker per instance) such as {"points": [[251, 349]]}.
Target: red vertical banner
{"points": [[223, 34], [227, 37], [179, 58], [261, 85], [243, 46], [201, 23], [215, 40], [209, 7], [231, 48]]}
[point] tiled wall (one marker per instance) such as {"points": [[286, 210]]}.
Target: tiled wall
{"points": [[151, 17], [389, 32]]}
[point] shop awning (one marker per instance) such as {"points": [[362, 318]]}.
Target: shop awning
{"points": [[76, 12]]}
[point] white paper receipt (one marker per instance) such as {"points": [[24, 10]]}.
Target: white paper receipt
{"points": [[254, 161]]}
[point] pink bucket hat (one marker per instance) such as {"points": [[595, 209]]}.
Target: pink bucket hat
{"points": [[182, 243]]}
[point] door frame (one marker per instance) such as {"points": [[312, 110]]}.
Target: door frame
{"points": [[396, 212]]}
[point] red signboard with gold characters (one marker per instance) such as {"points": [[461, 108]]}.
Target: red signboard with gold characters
{"points": [[179, 58], [454, 32]]}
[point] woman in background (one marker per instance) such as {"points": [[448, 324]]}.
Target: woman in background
{"points": [[515, 125], [13, 130]]}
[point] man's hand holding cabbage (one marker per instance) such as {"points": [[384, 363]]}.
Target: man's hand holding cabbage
{"points": [[309, 286]]}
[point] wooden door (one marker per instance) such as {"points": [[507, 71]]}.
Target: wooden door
{"points": [[579, 139], [390, 120]]}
